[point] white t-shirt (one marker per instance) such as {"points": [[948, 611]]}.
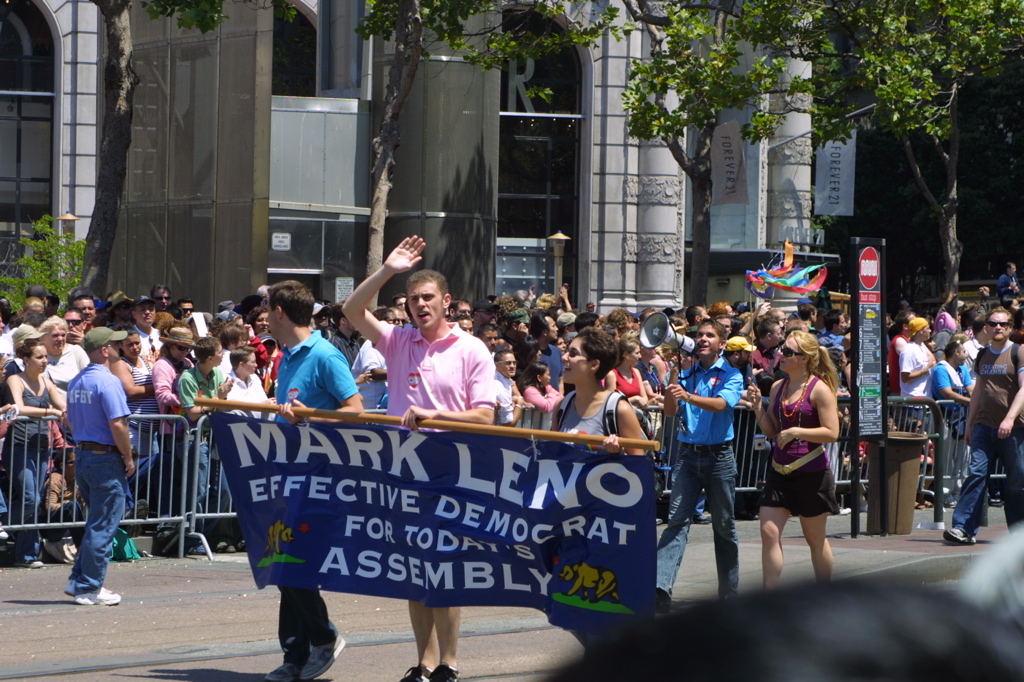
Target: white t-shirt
{"points": [[151, 342], [66, 367], [249, 392], [972, 347], [372, 391], [503, 391], [914, 358], [7, 343]]}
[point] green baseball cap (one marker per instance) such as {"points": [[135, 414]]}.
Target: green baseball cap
{"points": [[98, 337]]}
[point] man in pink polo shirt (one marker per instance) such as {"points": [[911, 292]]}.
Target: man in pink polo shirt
{"points": [[435, 371]]}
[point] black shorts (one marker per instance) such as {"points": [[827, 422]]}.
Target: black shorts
{"points": [[803, 493]]}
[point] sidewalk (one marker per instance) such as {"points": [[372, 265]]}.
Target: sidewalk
{"points": [[192, 619]]}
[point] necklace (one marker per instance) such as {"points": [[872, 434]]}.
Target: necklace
{"points": [[790, 413]]}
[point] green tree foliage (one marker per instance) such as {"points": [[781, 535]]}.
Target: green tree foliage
{"points": [[51, 259], [207, 15], [914, 57], [483, 34], [891, 206], [701, 63]]}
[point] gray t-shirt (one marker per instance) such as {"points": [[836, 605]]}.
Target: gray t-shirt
{"points": [[594, 425]]}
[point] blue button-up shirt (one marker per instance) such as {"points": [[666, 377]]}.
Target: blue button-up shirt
{"points": [[704, 427]]}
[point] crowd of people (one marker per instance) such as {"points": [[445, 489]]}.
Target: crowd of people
{"points": [[488, 361]]}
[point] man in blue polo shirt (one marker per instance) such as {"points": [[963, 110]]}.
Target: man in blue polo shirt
{"points": [[313, 373], [707, 394], [97, 411]]}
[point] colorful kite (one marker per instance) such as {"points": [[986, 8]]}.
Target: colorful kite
{"points": [[785, 276]]}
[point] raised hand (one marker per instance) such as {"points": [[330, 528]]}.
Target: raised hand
{"points": [[406, 255]]}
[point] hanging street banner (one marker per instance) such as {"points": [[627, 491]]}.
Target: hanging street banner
{"points": [[834, 173], [728, 172], [444, 518]]}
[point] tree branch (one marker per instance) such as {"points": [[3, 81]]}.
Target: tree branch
{"points": [[915, 168]]}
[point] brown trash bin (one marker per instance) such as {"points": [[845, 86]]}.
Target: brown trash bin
{"points": [[904, 471]]}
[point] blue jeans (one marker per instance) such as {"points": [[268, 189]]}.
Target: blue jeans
{"points": [[987, 449], [26, 466], [101, 480], [715, 473]]}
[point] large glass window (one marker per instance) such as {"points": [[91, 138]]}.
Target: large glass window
{"points": [[26, 117], [294, 57], [538, 163]]}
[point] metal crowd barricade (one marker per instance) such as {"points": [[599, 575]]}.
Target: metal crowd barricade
{"points": [[210, 502], [27, 466], [535, 419], [156, 494], [946, 463], [159, 489]]}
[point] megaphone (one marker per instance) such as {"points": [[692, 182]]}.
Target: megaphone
{"points": [[657, 330]]}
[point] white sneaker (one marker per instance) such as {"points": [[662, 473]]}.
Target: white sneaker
{"points": [[3, 534], [101, 597]]}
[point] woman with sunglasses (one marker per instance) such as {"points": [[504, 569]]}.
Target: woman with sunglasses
{"points": [[136, 375], [26, 451], [590, 357], [167, 370], [801, 417]]}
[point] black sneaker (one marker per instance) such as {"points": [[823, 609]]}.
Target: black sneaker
{"points": [[958, 536], [322, 657], [444, 673], [417, 673]]}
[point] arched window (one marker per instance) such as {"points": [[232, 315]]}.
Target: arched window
{"points": [[26, 117], [294, 57], [538, 163]]}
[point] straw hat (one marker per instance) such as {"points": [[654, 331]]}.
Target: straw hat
{"points": [[179, 336]]}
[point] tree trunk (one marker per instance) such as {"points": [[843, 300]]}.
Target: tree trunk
{"points": [[119, 81], [401, 75], [699, 172], [946, 210]]}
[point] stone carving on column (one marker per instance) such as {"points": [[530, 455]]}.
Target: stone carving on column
{"points": [[657, 248], [631, 189], [659, 190], [797, 152], [792, 204], [629, 248], [663, 191]]}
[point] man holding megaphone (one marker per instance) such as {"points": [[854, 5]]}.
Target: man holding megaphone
{"points": [[704, 398]]}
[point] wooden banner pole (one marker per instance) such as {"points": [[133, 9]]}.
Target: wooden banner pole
{"points": [[387, 420]]}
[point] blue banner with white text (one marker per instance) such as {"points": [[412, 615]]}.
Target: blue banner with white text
{"points": [[447, 519]]}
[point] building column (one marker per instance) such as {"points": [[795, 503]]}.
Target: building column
{"points": [[789, 174], [656, 246]]}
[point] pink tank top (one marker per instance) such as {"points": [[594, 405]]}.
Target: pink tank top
{"points": [[804, 416]]}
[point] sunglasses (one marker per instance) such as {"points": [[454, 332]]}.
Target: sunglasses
{"points": [[993, 323], [162, 298], [573, 353], [181, 348], [788, 352], [506, 362], [74, 323]]}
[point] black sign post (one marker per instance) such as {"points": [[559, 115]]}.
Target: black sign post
{"points": [[868, 361]]}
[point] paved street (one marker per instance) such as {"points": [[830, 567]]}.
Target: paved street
{"points": [[192, 619]]}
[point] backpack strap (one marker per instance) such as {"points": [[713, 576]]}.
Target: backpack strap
{"points": [[566, 402], [611, 418]]}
